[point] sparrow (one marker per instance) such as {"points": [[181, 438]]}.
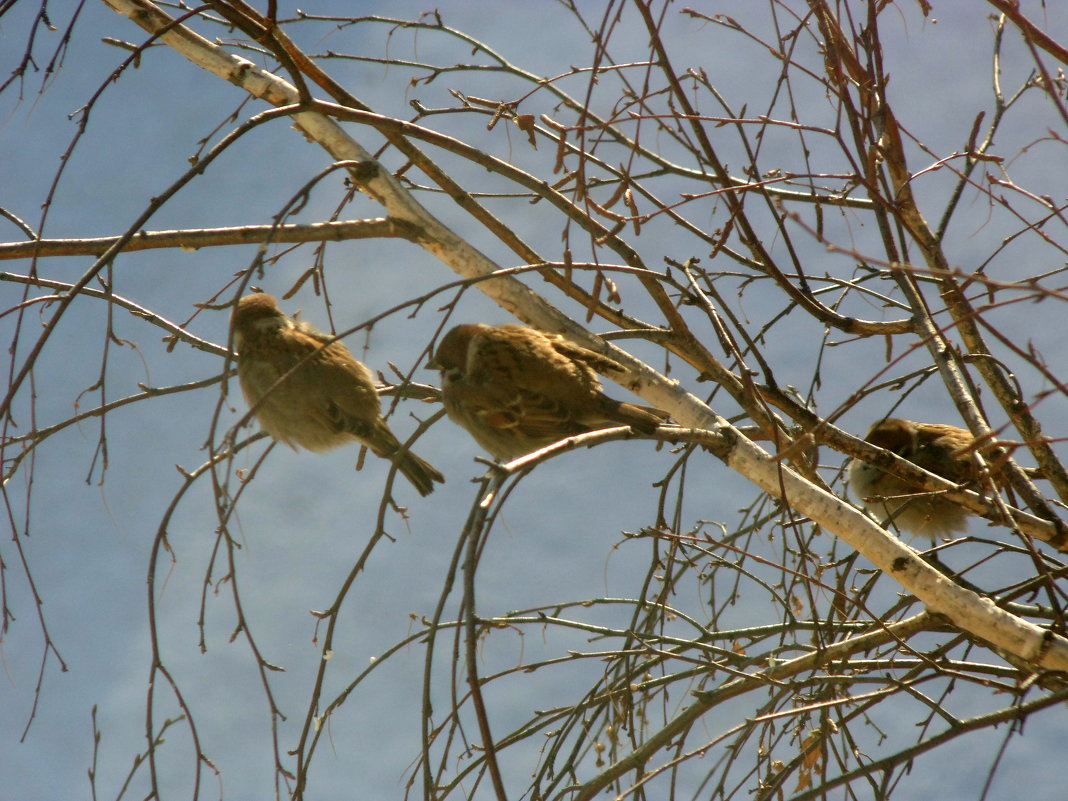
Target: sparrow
{"points": [[516, 389], [944, 450], [328, 401]]}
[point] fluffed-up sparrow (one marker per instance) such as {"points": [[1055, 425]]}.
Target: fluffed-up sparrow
{"points": [[516, 389], [328, 401], [944, 450]]}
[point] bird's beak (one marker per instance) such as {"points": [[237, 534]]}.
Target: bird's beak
{"points": [[432, 365]]}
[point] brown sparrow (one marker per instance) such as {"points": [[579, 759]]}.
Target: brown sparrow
{"points": [[516, 389], [327, 401], [943, 450]]}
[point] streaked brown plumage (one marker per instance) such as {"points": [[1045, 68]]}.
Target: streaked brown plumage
{"points": [[944, 450], [328, 401], [516, 389]]}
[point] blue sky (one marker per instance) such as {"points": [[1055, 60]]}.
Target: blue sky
{"points": [[305, 518]]}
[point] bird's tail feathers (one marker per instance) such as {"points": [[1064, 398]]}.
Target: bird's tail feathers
{"points": [[421, 473], [645, 419]]}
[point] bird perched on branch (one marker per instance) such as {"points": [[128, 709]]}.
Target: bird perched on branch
{"points": [[327, 401], [516, 389], [944, 450]]}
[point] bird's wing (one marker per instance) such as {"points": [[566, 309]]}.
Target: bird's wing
{"points": [[337, 386], [590, 359], [524, 359]]}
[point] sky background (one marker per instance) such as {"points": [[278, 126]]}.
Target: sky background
{"points": [[305, 518]]}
